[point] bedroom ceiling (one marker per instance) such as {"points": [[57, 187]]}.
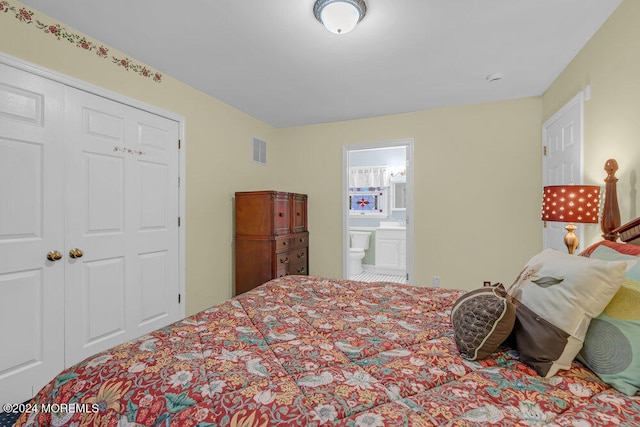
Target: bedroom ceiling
{"points": [[273, 60]]}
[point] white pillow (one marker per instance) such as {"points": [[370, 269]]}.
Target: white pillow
{"points": [[556, 296]]}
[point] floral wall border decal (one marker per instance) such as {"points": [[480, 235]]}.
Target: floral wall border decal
{"points": [[26, 16]]}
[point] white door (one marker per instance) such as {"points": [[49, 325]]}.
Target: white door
{"points": [[79, 171], [562, 162], [122, 213], [31, 225]]}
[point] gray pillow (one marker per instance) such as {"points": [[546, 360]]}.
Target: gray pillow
{"points": [[482, 320]]}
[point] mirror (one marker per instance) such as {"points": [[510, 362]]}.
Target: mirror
{"points": [[398, 195]]}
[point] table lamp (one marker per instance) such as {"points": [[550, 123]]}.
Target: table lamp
{"points": [[571, 203]]}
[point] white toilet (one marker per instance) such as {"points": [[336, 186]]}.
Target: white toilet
{"points": [[359, 243]]}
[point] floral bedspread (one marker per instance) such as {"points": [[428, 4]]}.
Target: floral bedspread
{"points": [[309, 351]]}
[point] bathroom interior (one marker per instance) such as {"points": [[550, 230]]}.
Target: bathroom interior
{"points": [[377, 214]]}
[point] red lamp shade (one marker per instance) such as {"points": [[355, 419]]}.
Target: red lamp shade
{"points": [[571, 203]]}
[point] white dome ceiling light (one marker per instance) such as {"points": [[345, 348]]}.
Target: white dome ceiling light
{"points": [[339, 16]]}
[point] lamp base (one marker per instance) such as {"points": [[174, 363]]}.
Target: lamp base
{"points": [[571, 240]]}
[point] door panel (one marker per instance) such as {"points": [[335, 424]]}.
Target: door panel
{"points": [[123, 214], [153, 276], [153, 197], [103, 314], [21, 162], [104, 191], [562, 163], [78, 170], [26, 288], [156, 222], [31, 225]]}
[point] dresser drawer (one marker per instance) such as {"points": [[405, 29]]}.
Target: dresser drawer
{"points": [[284, 259], [299, 264], [300, 240], [299, 255], [283, 243], [299, 269], [282, 269]]}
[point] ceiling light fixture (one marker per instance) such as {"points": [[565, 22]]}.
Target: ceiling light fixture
{"points": [[339, 16]]}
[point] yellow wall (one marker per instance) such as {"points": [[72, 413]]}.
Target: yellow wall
{"points": [[218, 144], [477, 168], [610, 63], [477, 185]]}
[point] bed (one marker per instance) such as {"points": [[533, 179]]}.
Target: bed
{"points": [[310, 351]]}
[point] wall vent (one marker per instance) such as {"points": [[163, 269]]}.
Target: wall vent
{"points": [[259, 151]]}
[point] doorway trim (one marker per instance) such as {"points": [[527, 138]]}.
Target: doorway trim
{"points": [[346, 149]]}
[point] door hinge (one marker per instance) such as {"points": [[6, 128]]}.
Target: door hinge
{"points": [[179, 144], [178, 182], [179, 297], [178, 221], [545, 150]]}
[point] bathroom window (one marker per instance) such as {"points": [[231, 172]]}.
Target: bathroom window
{"points": [[367, 201]]}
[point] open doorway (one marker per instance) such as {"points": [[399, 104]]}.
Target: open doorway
{"points": [[378, 211]]}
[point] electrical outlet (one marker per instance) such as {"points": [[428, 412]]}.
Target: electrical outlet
{"points": [[436, 281]]}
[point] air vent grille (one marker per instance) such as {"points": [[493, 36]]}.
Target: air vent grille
{"points": [[259, 151]]}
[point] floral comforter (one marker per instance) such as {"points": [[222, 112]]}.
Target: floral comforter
{"points": [[309, 351]]}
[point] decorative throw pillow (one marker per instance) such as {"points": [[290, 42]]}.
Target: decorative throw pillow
{"points": [[606, 253], [623, 248], [556, 296], [482, 319], [612, 345]]}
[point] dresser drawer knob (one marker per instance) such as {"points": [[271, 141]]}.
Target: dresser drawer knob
{"points": [[284, 261], [300, 254], [281, 214], [301, 270]]}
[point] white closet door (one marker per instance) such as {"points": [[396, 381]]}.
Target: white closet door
{"points": [[122, 213], [31, 225]]}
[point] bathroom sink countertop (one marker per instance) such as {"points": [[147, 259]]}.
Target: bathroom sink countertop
{"points": [[392, 225]]}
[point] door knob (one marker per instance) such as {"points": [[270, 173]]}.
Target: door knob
{"points": [[75, 253], [54, 256]]}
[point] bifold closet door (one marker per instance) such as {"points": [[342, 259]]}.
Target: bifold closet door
{"points": [[31, 229], [89, 241], [122, 214]]}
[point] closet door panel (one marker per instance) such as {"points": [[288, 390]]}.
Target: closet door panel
{"points": [[155, 220], [96, 192], [103, 187], [123, 214], [153, 276], [103, 309], [31, 225]]}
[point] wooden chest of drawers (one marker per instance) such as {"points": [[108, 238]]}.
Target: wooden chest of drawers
{"points": [[271, 237]]}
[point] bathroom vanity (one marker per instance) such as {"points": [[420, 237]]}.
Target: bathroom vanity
{"points": [[391, 249]]}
